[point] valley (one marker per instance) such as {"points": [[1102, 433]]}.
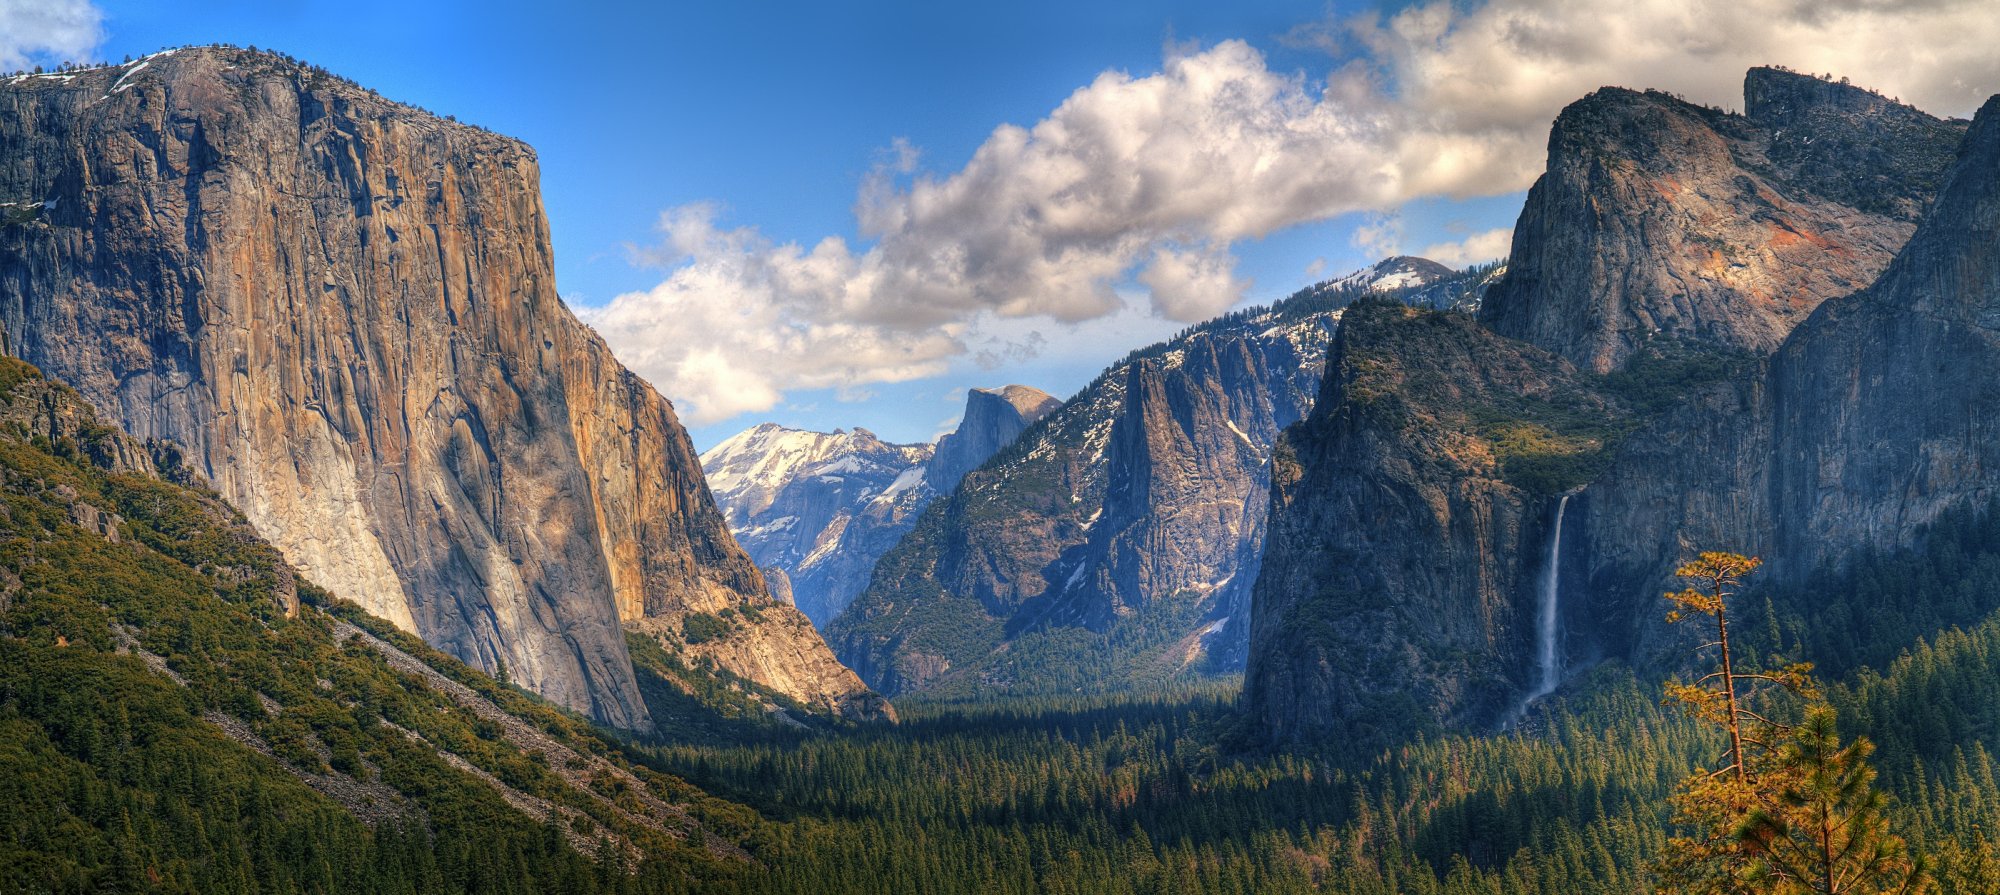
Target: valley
{"points": [[340, 553]]}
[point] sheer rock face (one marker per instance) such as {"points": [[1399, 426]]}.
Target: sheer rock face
{"points": [[993, 419], [1658, 216], [818, 509], [1853, 428], [1395, 593], [1875, 417], [345, 309], [1887, 406]]}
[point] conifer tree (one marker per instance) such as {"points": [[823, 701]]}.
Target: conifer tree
{"points": [[1820, 829], [1793, 812]]}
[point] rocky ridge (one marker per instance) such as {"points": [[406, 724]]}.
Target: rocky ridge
{"points": [[1658, 217], [815, 510], [1114, 543]]}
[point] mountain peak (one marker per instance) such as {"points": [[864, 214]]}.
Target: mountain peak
{"points": [[818, 508], [1028, 402], [993, 418], [1811, 194], [1395, 272]]}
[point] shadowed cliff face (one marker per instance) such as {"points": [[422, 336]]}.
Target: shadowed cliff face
{"points": [[345, 309], [1875, 417], [1745, 425], [1661, 217], [1886, 404], [1405, 515]]}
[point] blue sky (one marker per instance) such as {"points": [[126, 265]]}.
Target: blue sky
{"points": [[764, 126], [774, 111]]}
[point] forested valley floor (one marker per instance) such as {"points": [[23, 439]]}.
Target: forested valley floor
{"points": [[167, 725]]}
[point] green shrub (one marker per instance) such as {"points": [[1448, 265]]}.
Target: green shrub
{"points": [[702, 627]]}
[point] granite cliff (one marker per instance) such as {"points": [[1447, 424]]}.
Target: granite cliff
{"points": [[1404, 520], [993, 418], [1870, 423], [1660, 217], [344, 309], [1656, 307]]}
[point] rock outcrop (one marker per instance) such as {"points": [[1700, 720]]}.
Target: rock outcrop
{"points": [[1872, 421], [993, 419], [345, 310], [1405, 515], [1114, 543], [817, 509], [1662, 218], [1681, 285]]}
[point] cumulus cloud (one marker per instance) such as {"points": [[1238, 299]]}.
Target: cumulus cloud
{"points": [[48, 31], [1192, 285], [1380, 236], [1152, 180], [1478, 248], [739, 321]]}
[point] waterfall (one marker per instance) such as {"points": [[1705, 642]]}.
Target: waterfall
{"points": [[1549, 662]]}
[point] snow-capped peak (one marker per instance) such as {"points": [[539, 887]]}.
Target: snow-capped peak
{"points": [[1390, 274], [767, 457]]}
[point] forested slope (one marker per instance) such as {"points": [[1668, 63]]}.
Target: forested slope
{"points": [[180, 712]]}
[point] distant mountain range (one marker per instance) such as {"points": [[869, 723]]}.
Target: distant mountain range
{"points": [[1113, 545], [816, 509]]}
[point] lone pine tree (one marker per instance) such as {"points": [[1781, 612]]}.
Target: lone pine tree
{"points": [[1793, 811]]}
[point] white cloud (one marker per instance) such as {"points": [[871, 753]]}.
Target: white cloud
{"points": [[1192, 285], [1478, 248], [1381, 236], [741, 321], [47, 32], [1155, 178]]}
